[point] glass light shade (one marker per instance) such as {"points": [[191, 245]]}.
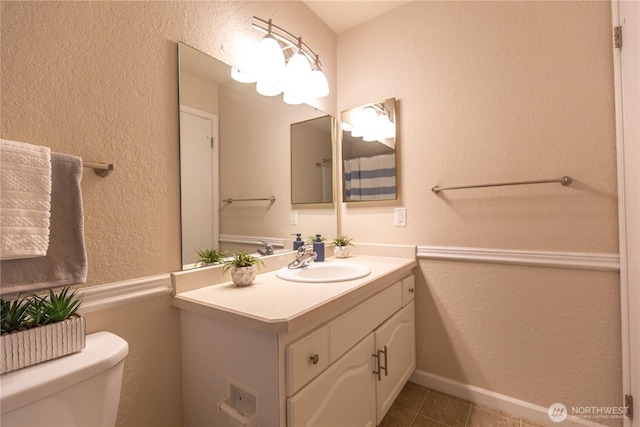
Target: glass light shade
{"points": [[266, 89], [369, 119], [296, 78], [269, 65], [291, 98], [318, 84], [386, 128], [241, 76]]}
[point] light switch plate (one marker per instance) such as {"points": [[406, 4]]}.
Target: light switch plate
{"points": [[400, 217], [293, 218]]}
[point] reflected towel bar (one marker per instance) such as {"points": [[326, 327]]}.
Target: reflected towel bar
{"points": [[565, 180], [271, 199], [101, 169]]}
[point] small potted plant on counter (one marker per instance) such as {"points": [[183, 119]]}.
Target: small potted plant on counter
{"points": [[208, 257], [243, 268], [40, 328], [341, 246]]}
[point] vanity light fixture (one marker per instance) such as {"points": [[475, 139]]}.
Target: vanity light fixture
{"points": [[283, 63], [372, 122]]}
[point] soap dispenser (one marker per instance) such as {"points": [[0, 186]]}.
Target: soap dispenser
{"points": [[298, 242], [318, 248]]}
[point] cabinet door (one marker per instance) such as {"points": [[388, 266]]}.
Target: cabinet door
{"points": [[398, 336], [343, 395]]}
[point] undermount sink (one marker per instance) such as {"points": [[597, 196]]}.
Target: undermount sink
{"points": [[318, 272]]}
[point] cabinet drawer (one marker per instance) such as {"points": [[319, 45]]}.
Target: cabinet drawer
{"points": [[343, 395], [348, 329], [408, 289], [306, 358]]}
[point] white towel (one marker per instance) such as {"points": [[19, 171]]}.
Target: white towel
{"points": [[25, 199], [66, 259]]}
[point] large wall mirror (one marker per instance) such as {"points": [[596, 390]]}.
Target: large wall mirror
{"points": [[312, 161], [369, 152], [236, 153]]}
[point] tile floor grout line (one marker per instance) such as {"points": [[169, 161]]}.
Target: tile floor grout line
{"points": [[466, 420]]}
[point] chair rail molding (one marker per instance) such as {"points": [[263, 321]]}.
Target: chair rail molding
{"points": [[556, 259], [110, 295]]}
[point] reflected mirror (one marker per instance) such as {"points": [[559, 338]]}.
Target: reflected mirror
{"points": [[235, 164], [369, 152], [311, 161]]}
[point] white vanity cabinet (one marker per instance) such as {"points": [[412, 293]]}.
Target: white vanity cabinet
{"points": [[344, 395], [375, 370], [343, 367]]}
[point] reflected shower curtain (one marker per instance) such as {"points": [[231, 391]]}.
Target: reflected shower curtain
{"points": [[370, 178]]}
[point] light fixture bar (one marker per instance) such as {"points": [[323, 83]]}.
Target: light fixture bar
{"points": [[291, 41]]}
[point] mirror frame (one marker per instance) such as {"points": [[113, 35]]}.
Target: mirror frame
{"points": [[385, 181]]}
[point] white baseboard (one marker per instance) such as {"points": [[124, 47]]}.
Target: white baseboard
{"points": [[519, 408], [575, 260], [100, 297]]}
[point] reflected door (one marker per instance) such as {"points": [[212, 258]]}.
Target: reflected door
{"points": [[199, 183]]}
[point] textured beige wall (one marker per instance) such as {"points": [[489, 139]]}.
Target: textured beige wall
{"points": [[495, 92], [152, 381], [198, 93], [99, 80]]}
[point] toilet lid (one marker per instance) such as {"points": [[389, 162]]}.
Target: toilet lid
{"points": [[103, 350]]}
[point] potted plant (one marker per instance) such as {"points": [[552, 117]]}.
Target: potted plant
{"points": [[40, 328], [209, 256], [341, 246], [242, 268]]}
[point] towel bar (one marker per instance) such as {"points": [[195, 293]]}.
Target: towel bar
{"points": [[230, 200], [565, 180], [101, 169]]}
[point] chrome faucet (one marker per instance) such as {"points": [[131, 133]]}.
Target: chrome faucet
{"points": [[268, 248], [304, 257]]}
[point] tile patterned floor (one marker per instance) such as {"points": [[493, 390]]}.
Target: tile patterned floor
{"points": [[417, 406]]}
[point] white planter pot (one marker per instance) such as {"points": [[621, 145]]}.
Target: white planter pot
{"points": [[341, 251], [243, 276], [20, 349]]}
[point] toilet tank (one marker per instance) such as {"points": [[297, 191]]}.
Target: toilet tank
{"points": [[82, 389]]}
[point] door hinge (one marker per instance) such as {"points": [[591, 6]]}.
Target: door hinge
{"points": [[211, 142], [628, 403], [617, 37]]}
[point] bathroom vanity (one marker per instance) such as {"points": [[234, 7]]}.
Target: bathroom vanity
{"points": [[282, 353]]}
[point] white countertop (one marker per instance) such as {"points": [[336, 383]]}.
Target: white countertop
{"points": [[275, 306]]}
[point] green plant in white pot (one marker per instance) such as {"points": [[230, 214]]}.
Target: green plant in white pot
{"points": [[243, 268], [208, 257], [341, 246], [35, 329]]}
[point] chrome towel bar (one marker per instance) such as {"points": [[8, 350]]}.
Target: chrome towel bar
{"points": [[230, 200], [101, 169], [565, 180]]}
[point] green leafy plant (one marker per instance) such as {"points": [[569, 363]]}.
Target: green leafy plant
{"points": [[312, 239], [210, 256], [342, 241], [240, 259], [13, 315], [37, 311], [61, 306], [25, 313]]}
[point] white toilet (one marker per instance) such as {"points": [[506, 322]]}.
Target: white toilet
{"points": [[82, 389]]}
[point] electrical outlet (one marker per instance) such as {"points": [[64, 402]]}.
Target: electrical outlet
{"points": [[293, 218], [400, 217]]}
